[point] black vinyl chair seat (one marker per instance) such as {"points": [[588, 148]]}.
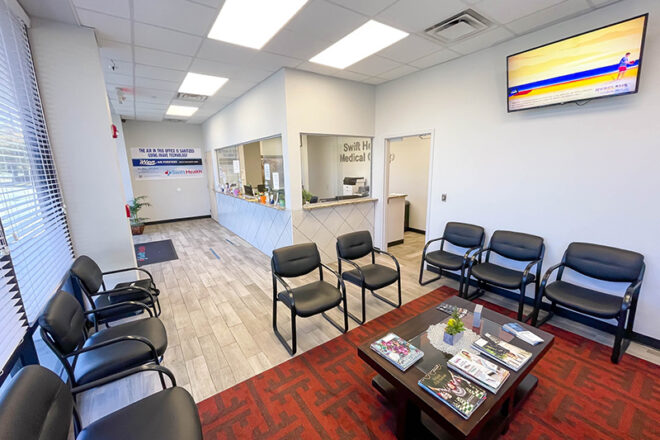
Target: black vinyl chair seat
{"points": [[119, 312], [584, 300], [499, 275], [104, 361], [312, 298], [131, 293], [376, 276], [170, 414], [444, 259]]}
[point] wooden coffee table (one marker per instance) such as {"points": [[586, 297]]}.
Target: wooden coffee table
{"points": [[420, 415]]}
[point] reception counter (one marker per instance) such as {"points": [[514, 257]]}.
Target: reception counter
{"points": [[396, 212]]}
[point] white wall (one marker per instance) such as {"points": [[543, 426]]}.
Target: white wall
{"points": [[170, 198], [122, 157], [409, 174], [79, 125], [566, 173]]}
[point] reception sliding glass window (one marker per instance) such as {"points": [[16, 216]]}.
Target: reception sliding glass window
{"points": [[31, 205]]}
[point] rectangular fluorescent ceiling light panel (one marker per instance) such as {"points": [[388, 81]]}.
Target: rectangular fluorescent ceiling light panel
{"points": [[366, 40], [181, 110], [198, 84], [252, 23]]}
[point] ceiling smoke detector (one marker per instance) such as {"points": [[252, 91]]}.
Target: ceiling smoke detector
{"points": [[191, 97], [459, 27]]}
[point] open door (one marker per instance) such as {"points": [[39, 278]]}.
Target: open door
{"points": [[210, 176]]}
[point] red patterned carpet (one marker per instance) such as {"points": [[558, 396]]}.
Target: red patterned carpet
{"points": [[326, 392]]}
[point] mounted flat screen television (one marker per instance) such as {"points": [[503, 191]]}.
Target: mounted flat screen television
{"points": [[599, 63]]}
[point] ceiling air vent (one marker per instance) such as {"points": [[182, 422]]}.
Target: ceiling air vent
{"points": [[171, 119], [191, 97], [459, 27]]}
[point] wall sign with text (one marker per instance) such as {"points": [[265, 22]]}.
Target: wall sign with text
{"points": [[166, 163]]}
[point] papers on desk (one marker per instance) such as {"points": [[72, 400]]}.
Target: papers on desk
{"points": [[518, 331]]}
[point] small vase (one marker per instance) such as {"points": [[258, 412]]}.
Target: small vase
{"points": [[137, 229], [452, 339]]}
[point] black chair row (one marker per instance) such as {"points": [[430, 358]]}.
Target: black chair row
{"points": [[321, 296], [591, 260]]}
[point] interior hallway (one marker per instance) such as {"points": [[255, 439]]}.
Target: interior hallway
{"points": [[218, 313]]}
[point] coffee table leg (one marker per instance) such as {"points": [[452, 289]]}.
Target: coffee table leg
{"points": [[408, 419]]}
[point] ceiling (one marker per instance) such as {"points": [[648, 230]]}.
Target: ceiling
{"points": [[151, 44]]}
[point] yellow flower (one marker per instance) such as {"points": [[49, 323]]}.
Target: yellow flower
{"points": [[451, 322]]}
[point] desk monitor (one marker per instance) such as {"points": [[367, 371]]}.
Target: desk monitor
{"points": [[261, 188], [248, 190]]}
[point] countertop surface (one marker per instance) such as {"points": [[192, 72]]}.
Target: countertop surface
{"points": [[254, 200], [395, 196], [321, 205]]}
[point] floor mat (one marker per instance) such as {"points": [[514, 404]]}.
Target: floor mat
{"points": [[155, 252]]}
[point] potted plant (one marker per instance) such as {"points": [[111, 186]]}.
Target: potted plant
{"points": [[453, 330], [137, 222]]}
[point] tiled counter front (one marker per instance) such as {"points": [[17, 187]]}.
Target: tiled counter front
{"points": [[324, 225], [264, 227]]}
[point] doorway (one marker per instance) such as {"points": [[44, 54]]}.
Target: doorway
{"points": [[407, 189]]}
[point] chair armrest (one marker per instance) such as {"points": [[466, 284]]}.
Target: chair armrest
{"points": [[548, 273], [631, 294], [123, 374], [336, 274], [379, 251], [476, 254], [117, 340], [528, 268], [426, 246], [286, 287], [355, 266], [120, 304], [130, 269], [122, 289], [469, 251]]}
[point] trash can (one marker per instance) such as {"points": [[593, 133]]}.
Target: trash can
{"points": [[406, 217]]}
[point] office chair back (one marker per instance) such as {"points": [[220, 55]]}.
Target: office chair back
{"points": [[517, 246], [604, 262], [464, 234], [354, 245], [64, 322], [88, 273], [296, 260], [36, 405]]}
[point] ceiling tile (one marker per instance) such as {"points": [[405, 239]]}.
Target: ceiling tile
{"points": [[225, 52], [157, 84], [398, 72], [435, 58], [410, 48], [352, 76], [295, 45], [215, 68], [318, 68], [373, 66], [153, 96], [547, 16], [121, 67], [272, 62], [481, 41], [115, 50], [505, 11], [119, 8], [107, 27], [375, 80], [417, 15], [149, 117], [119, 79], [159, 73], [165, 39], [211, 3], [603, 2], [234, 88], [159, 58], [325, 21], [180, 15], [366, 7]]}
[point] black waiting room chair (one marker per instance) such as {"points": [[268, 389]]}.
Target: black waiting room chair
{"points": [[372, 277], [88, 358], [89, 277], [37, 405], [512, 246], [601, 263], [310, 299], [460, 235]]}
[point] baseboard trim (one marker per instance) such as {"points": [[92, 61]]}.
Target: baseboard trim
{"points": [[419, 231], [566, 313], [394, 243], [159, 222]]}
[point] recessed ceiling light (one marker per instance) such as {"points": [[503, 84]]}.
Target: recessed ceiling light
{"points": [[181, 110], [366, 40], [252, 23], [199, 84]]}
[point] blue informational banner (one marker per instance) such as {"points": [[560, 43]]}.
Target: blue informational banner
{"points": [[166, 163]]}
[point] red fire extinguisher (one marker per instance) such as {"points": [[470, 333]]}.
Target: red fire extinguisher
{"points": [[115, 131], [128, 211]]}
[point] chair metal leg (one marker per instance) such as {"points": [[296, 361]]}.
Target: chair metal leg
{"points": [[461, 281], [289, 349], [477, 293], [620, 343], [364, 311], [421, 275], [334, 324], [387, 301], [546, 318]]}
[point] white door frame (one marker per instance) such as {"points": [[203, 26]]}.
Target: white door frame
{"points": [[384, 191]]}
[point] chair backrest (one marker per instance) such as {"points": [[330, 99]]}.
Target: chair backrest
{"points": [[354, 245], [517, 246], [296, 260], [64, 320], [604, 262], [464, 234], [88, 273], [36, 405]]}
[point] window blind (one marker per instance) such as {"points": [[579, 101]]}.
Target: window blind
{"points": [[31, 204]]}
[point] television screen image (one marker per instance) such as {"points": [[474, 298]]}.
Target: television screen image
{"points": [[595, 64]]}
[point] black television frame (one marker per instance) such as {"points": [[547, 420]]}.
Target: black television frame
{"points": [[639, 68]]}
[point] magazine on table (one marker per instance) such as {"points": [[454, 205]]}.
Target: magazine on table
{"points": [[448, 308], [507, 354], [519, 331], [398, 351], [458, 393], [476, 368]]}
